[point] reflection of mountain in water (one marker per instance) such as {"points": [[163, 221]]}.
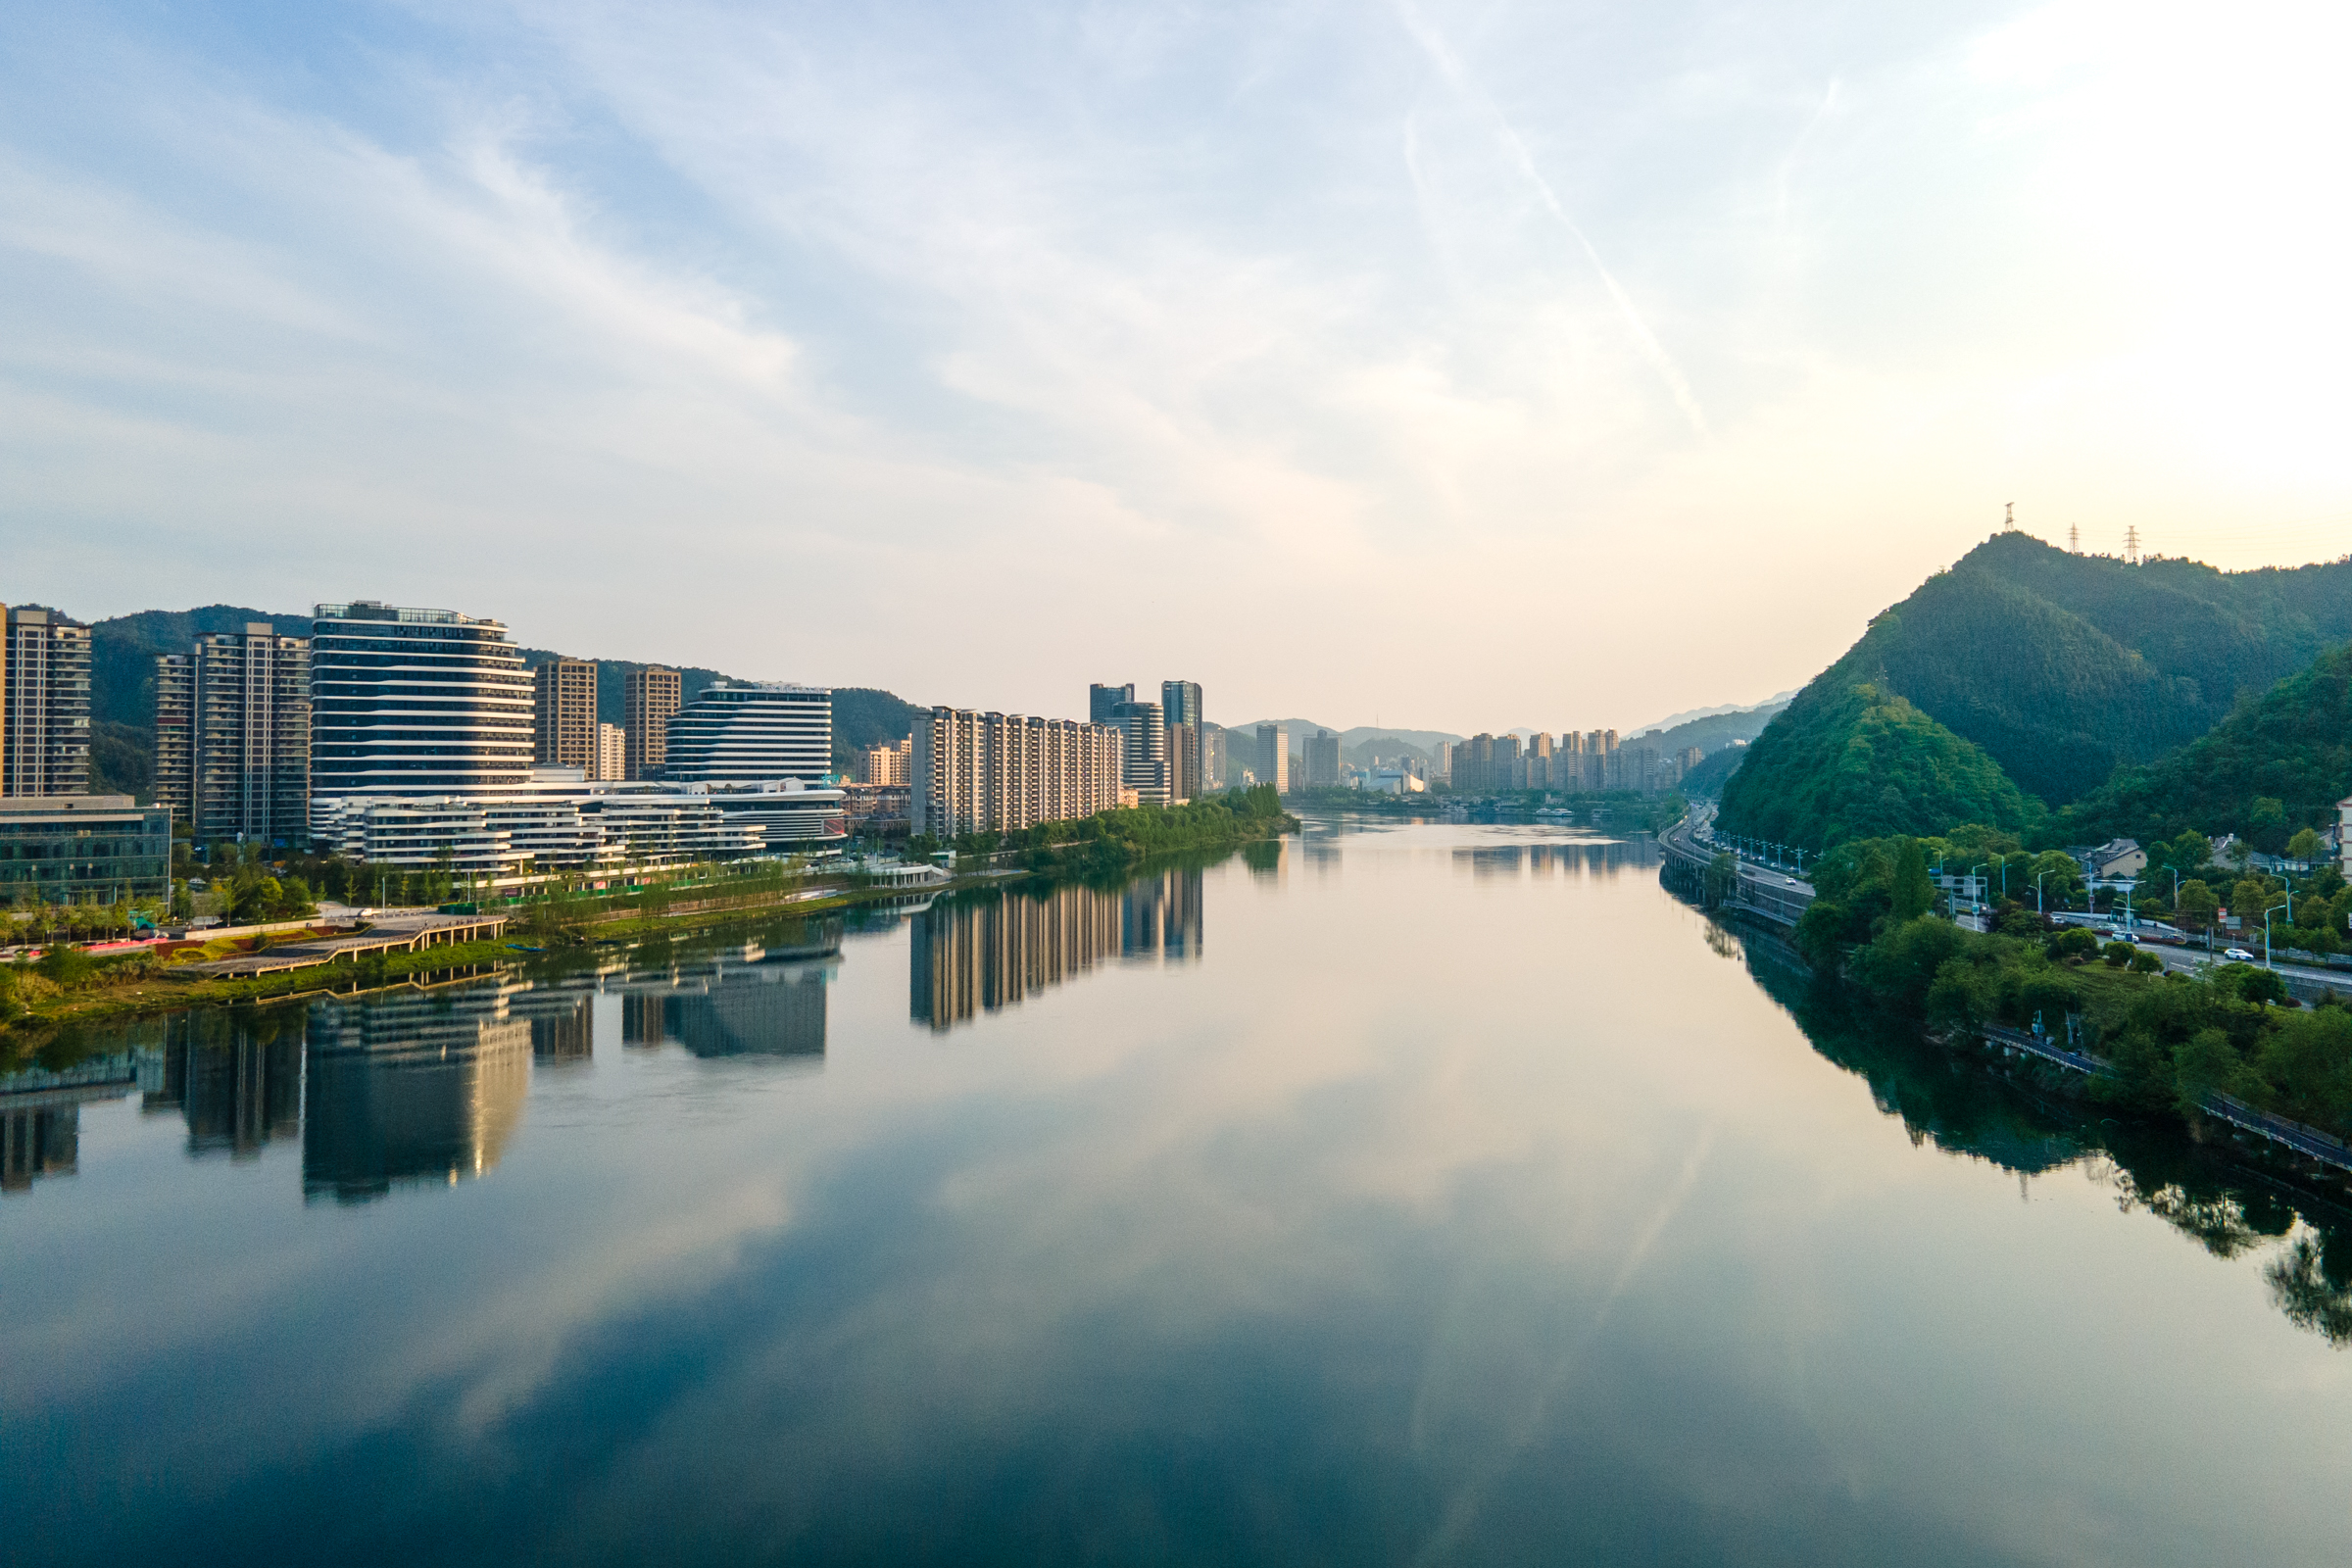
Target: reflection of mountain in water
{"points": [[413, 1089], [989, 950], [40, 1111], [754, 1000]]}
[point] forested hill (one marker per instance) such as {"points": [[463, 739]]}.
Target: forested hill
{"points": [[2058, 667], [2275, 765]]}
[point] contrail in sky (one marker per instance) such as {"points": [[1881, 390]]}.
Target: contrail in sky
{"points": [[1457, 76]]}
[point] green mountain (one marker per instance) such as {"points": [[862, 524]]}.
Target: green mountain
{"points": [[2059, 668], [2279, 763], [1848, 762]]}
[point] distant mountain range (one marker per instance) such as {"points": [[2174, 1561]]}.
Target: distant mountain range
{"points": [[2025, 679]]}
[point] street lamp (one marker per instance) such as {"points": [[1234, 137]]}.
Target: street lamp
{"points": [[2037, 876], [1975, 897], [2266, 932]]}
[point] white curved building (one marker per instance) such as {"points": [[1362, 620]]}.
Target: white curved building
{"points": [[752, 732], [416, 702]]}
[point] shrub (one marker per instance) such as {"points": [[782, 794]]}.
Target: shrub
{"points": [[2072, 943], [2119, 954], [2145, 963]]}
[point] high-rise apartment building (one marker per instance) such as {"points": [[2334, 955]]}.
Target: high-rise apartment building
{"points": [[649, 701], [611, 753], [886, 765], [1101, 698], [44, 704], [175, 735], [564, 714], [1180, 707], [1212, 754], [416, 702], [1322, 760], [1274, 757], [998, 772], [232, 735], [1144, 751], [752, 732]]}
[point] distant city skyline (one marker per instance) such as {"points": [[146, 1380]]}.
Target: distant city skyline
{"points": [[628, 327]]}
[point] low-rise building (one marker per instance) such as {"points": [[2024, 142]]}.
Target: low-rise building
{"points": [[83, 849], [2115, 860]]}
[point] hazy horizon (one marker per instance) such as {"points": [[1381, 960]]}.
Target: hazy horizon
{"points": [[1498, 368]]}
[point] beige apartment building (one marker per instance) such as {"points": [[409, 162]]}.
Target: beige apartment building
{"points": [[649, 701], [999, 773], [564, 714]]}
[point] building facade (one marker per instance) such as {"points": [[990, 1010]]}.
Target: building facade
{"points": [[1274, 757], [249, 751], [649, 701], [175, 735], [1143, 751], [44, 704], [887, 766], [1322, 760], [1101, 698], [1188, 763], [416, 702], [83, 849], [975, 773], [745, 732], [564, 714], [611, 754]]}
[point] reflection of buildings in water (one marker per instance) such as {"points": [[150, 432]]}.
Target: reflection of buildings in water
{"points": [[409, 1089], [1322, 857], [989, 953], [234, 1078], [40, 1111], [562, 1026], [1574, 858], [751, 1000]]}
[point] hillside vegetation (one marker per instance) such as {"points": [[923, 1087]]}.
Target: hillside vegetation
{"points": [[1854, 762], [2278, 764], [2058, 669]]}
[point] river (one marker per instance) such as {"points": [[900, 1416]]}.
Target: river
{"points": [[1408, 1192]]}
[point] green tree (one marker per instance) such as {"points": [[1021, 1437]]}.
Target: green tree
{"points": [[2195, 906], [2304, 845], [1913, 894]]}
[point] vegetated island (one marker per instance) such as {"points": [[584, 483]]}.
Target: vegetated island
{"points": [[69, 984]]}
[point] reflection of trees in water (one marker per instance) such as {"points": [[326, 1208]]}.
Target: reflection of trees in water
{"points": [[1949, 1099], [2311, 1280]]}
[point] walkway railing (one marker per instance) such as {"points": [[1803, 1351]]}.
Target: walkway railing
{"points": [[2037, 1045], [2303, 1139]]}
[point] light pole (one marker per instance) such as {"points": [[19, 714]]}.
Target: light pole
{"points": [[1974, 896], [2037, 876], [2265, 933]]}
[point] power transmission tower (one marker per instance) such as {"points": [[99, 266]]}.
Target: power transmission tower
{"points": [[2009, 520], [2074, 538], [2131, 544]]}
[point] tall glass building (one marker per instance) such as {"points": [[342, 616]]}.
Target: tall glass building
{"points": [[745, 732], [416, 702]]}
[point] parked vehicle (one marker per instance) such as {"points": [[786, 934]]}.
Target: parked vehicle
{"points": [[2237, 955]]}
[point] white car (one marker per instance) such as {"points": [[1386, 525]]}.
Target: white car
{"points": [[2237, 955]]}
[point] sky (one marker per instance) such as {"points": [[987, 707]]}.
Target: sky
{"points": [[1451, 367]]}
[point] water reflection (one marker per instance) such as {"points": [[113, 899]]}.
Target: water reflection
{"points": [[1572, 858], [234, 1077], [985, 952], [40, 1112], [749, 999], [411, 1089], [2228, 1208]]}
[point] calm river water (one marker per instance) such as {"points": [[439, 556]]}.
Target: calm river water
{"points": [[1419, 1194]]}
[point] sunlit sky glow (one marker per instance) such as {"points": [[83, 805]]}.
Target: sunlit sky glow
{"points": [[1461, 365]]}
